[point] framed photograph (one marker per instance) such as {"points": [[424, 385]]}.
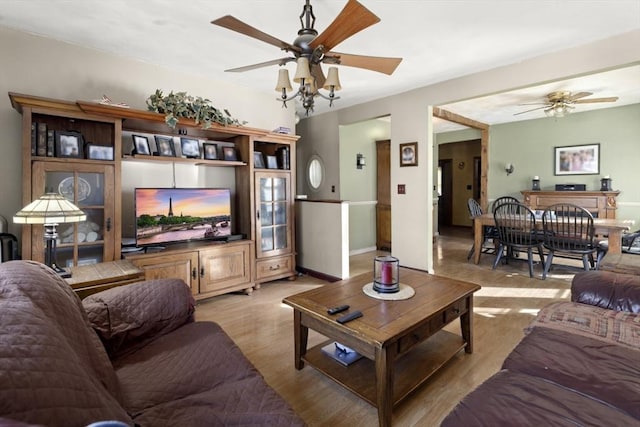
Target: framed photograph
{"points": [[577, 160], [69, 144], [272, 162], [258, 160], [229, 153], [141, 145], [164, 145], [99, 152], [409, 154], [190, 148], [210, 151]]}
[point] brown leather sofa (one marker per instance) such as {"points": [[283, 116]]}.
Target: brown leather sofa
{"points": [[132, 354], [578, 364]]}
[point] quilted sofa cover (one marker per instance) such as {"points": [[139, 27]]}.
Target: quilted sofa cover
{"points": [[578, 364], [132, 354]]}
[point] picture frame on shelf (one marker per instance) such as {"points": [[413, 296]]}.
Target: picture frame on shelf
{"points": [[272, 162], [190, 148], [409, 154], [164, 146], [210, 151], [141, 145], [229, 153], [577, 160], [69, 144], [258, 160], [99, 152]]}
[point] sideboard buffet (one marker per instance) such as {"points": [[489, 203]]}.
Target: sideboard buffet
{"points": [[601, 204], [266, 250]]}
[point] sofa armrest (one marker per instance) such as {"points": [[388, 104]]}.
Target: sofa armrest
{"points": [[128, 317], [605, 289]]}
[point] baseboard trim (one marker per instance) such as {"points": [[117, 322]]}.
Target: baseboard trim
{"points": [[362, 250], [317, 274]]}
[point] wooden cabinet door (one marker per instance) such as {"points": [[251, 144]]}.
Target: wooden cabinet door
{"points": [[170, 265], [91, 188], [224, 268]]}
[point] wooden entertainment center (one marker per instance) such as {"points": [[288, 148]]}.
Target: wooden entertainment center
{"points": [[263, 205]]}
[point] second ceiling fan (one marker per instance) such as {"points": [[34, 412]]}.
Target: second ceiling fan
{"points": [[560, 103], [311, 49]]}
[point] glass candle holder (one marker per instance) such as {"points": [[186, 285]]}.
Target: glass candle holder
{"points": [[386, 274]]}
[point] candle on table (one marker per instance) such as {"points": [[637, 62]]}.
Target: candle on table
{"points": [[387, 273]]}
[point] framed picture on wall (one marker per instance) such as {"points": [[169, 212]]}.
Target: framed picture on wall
{"points": [[409, 154], [577, 160]]}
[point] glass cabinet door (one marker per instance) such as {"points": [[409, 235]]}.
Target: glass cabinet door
{"points": [[89, 187], [273, 216]]}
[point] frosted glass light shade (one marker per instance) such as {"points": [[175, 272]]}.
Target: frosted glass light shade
{"points": [[332, 79], [283, 80], [302, 71]]}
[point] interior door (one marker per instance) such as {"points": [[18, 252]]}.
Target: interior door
{"points": [[383, 206]]}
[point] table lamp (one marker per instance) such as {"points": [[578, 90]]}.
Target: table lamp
{"points": [[50, 209]]}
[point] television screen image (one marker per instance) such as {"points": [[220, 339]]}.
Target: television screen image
{"points": [[168, 215]]}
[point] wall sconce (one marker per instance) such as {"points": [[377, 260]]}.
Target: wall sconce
{"points": [[360, 161], [508, 168]]}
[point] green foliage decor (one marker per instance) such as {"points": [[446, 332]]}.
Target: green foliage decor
{"points": [[180, 105]]}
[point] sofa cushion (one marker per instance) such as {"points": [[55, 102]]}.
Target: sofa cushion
{"points": [[197, 371], [53, 368], [128, 317], [606, 289], [607, 372], [514, 399]]}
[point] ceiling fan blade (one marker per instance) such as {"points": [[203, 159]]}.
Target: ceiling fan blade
{"points": [[373, 63], [238, 26], [587, 101], [528, 111], [316, 72], [352, 19], [280, 61], [579, 95]]}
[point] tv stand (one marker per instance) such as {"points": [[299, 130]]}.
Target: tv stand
{"points": [[208, 267]]}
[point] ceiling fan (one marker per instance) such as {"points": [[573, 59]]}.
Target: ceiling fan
{"points": [[311, 49], [560, 103]]}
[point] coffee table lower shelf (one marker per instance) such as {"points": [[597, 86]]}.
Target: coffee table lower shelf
{"points": [[410, 371]]}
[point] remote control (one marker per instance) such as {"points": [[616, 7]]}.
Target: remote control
{"points": [[338, 309], [349, 317]]}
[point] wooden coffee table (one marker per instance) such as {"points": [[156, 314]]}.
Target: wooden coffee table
{"points": [[410, 328]]}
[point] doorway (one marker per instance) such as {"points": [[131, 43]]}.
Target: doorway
{"points": [[445, 192]]}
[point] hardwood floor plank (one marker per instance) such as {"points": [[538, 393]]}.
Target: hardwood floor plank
{"points": [[263, 328]]}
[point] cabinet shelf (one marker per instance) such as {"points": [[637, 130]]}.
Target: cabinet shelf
{"points": [[167, 159]]}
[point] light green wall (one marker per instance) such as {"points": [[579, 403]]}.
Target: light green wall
{"points": [[359, 185], [529, 146]]}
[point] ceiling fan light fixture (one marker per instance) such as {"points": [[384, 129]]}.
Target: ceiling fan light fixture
{"points": [[303, 71], [284, 84], [332, 82]]}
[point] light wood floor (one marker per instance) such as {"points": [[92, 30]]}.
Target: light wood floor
{"points": [[263, 328]]}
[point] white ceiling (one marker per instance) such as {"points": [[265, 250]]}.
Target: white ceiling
{"points": [[438, 39]]}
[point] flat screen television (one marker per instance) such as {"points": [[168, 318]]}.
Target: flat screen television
{"points": [[171, 215]]}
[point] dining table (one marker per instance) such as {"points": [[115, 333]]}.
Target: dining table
{"points": [[612, 228]]}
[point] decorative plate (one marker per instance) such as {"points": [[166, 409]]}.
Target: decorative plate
{"points": [[65, 188]]}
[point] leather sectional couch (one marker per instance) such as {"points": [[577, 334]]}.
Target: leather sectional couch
{"points": [[132, 354], [578, 364]]}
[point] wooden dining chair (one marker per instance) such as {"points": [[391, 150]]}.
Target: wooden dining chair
{"points": [[517, 230], [569, 230], [488, 232], [501, 200]]}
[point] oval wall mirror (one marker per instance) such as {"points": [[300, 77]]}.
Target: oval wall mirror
{"points": [[315, 172]]}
